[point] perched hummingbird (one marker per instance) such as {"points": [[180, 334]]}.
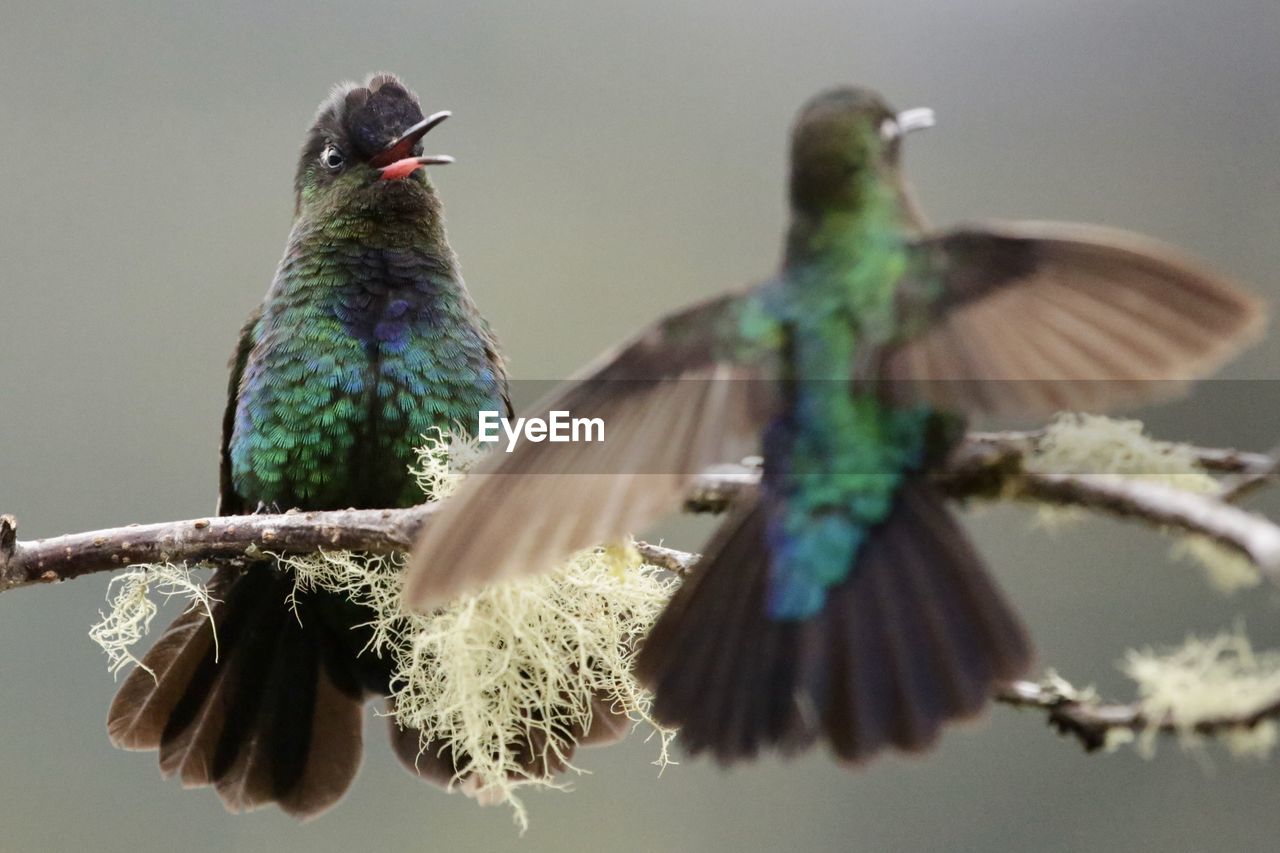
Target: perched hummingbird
{"points": [[367, 339], [840, 600]]}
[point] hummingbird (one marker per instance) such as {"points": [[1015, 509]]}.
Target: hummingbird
{"points": [[840, 601], [366, 339]]}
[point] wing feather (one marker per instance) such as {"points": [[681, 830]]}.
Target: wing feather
{"points": [[673, 402], [230, 503], [1029, 319], [1036, 317]]}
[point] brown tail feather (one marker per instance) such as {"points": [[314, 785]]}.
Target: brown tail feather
{"points": [[273, 718], [916, 636], [433, 763], [719, 669], [273, 712]]}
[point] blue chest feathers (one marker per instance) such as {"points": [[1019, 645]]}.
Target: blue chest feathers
{"points": [[358, 352]]}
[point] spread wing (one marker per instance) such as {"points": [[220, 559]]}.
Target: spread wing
{"points": [[230, 503], [1034, 318], [673, 401]]}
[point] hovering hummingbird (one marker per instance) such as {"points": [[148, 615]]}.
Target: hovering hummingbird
{"points": [[367, 339], [840, 600]]}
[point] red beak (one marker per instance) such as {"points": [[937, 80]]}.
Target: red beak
{"points": [[396, 161], [406, 166]]}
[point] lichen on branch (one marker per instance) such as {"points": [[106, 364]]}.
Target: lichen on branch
{"points": [[1116, 450], [491, 675], [576, 628], [131, 609]]}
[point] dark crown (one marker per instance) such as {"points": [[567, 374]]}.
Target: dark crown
{"points": [[376, 114], [362, 120]]}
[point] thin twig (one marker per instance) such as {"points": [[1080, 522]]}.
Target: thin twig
{"points": [[680, 562], [1220, 460], [987, 465], [1256, 471], [223, 540], [1092, 721], [1162, 506]]}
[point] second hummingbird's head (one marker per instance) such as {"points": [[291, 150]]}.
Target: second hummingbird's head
{"points": [[364, 150], [844, 140]]}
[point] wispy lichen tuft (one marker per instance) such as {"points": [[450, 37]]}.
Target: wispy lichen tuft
{"points": [[1227, 569], [1077, 443], [131, 608], [1206, 680], [443, 461], [514, 664], [1093, 445], [524, 663]]}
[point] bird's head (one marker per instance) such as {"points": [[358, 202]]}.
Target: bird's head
{"points": [[843, 140], [364, 151]]}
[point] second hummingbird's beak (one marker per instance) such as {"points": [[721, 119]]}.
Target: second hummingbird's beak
{"points": [[915, 119], [396, 160]]}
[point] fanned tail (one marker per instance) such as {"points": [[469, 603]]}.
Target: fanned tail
{"points": [[274, 716], [916, 636]]}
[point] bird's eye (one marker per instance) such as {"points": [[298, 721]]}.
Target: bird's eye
{"points": [[332, 158], [889, 129]]}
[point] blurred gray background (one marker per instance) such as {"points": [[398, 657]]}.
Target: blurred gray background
{"points": [[614, 161]]}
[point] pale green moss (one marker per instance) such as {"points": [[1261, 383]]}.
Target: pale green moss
{"points": [[518, 660], [1097, 446], [497, 668], [1075, 443], [1205, 680], [443, 460], [131, 608], [512, 663], [1226, 568]]}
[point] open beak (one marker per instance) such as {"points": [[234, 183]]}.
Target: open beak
{"points": [[396, 161], [916, 119]]}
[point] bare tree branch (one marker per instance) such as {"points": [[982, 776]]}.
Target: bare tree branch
{"points": [[679, 562], [986, 466], [224, 540]]}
